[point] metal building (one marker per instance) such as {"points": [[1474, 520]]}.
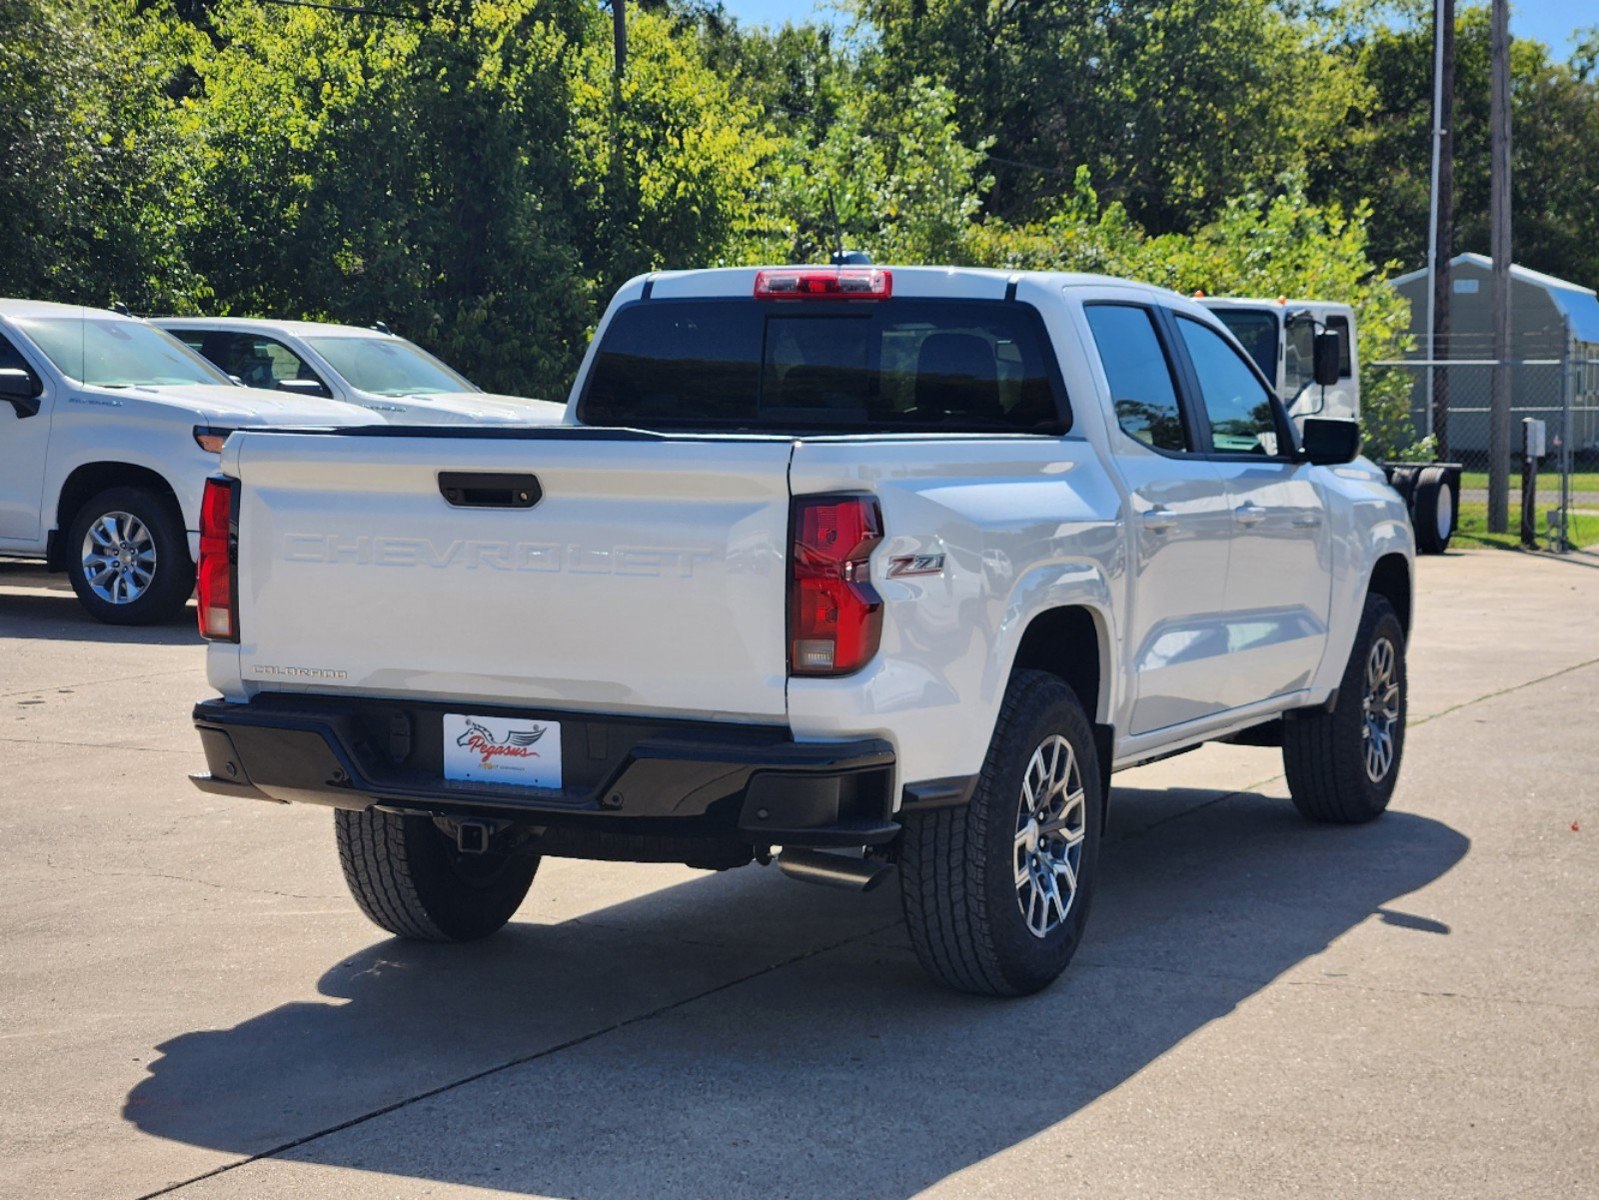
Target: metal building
{"points": [[1554, 346]]}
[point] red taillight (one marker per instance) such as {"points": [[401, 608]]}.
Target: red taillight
{"points": [[835, 617], [216, 576], [836, 283]]}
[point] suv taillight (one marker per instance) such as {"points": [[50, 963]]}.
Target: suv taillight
{"points": [[835, 617], [216, 578]]}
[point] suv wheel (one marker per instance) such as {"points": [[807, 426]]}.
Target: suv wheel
{"points": [[410, 879], [128, 557], [996, 894], [1342, 765]]}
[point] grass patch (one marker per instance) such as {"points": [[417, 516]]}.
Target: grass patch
{"points": [[1473, 526], [1548, 481]]}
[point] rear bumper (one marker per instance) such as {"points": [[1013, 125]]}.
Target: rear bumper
{"points": [[746, 783]]}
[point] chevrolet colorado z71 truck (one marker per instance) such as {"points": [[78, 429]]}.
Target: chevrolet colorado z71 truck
{"points": [[866, 569]]}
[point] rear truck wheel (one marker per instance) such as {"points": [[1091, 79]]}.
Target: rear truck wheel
{"points": [[1343, 764], [1433, 511], [996, 894], [410, 878], [128, 557]]}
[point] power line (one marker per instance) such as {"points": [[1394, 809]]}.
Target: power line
{"points": [[348, 8]]}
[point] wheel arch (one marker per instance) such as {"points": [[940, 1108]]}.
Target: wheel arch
{"points": [[88, 480], [1391, 579], [1070, 641]]}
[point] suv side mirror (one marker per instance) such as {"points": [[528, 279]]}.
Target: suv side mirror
{"points": [[1327, 351], [304, 387], [1329, 441], [21, 389]]}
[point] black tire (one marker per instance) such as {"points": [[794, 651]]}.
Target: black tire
{"points": [[1433, 513], [409, 878], [958, 866], [172, 570], [1325, 753]]}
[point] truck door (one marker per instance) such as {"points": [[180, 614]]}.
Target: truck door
{"points": [[23, 440], [1279, 573], [1181, 526]]}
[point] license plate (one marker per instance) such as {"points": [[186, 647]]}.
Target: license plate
{"points": [[507, 751]]}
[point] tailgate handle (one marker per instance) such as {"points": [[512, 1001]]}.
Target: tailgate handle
{"points": [[487, 489]]}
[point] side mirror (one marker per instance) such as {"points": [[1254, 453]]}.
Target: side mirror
{"points": [[1329, 441], [304, 387], [1328, 350], [20, 388]]}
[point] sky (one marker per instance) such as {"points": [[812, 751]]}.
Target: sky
{"points": [[1550, 21]]}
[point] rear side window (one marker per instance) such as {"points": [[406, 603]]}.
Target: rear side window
{"points": [[1141, 388], [896, 365]]}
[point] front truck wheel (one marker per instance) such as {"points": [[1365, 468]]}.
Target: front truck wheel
{"points": [[1342, 764], [996, 894], [128, 557], [410, 879]]}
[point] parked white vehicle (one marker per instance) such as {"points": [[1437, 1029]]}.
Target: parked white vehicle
{"points": [[1286, 338], [373, 368], [863, 568], [108, 429]]}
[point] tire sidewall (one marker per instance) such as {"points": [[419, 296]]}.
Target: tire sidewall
{"points": [[169, 590], [1028, 962], [1378, 621], [464, 905]]}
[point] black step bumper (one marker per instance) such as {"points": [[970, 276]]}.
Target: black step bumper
{"points": [[748, 783]]}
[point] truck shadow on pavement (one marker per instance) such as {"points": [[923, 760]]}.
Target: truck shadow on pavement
{"points": [[743, 1034], [42, 607]]}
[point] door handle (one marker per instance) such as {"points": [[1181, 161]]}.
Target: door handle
{"points": [[1160, 520], [1249, 514], [1307, 521]]}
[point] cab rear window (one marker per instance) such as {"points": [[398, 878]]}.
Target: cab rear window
{"points": [[895, 365]]}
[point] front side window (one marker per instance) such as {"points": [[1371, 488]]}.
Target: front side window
{"points": [[388, 366], [1346, 362], [116, 352], [1141, 388], [1237, 404], [1299, 355], [255, 361], [896, 365]]}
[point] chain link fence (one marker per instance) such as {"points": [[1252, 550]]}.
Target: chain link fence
{"points": [[1561, 389]]}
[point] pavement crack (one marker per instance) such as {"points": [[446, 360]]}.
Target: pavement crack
{"points": [[93, 746], [205, 883], [522, 1060], [89, 683], [1504, 691]]}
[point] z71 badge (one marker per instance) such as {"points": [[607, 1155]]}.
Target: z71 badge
{"points": [[915, 564]]}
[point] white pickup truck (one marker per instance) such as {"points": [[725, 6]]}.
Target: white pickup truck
{"points": [[108, 429], [867, 569]]}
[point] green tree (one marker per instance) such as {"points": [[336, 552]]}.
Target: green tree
{"points": [[96, 178], [414, 172]]}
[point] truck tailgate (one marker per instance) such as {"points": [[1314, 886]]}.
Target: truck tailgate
{"points": [[647, 577]]}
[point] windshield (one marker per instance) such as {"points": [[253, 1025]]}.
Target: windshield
{"points": [[1256, 333], [388, 366], [116, 352]]}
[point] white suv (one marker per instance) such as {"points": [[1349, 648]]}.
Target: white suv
{"points": [[108, 428], [373, 368]]}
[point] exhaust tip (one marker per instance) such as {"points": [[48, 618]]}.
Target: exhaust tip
{"points": [[833, 870]]}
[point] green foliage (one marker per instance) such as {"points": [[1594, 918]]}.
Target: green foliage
{"points": [[479, 178], [96, 179]]}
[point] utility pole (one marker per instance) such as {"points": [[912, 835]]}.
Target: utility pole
{"points": [[1499, 218], [1441, 239], [619, 34]]}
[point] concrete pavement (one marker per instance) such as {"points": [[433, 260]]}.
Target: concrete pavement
{"points": [[1262, 1008]]}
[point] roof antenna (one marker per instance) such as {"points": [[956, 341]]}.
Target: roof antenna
{"points": [[382, 327], [840, 256], [120, 308], [838, 233]]}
